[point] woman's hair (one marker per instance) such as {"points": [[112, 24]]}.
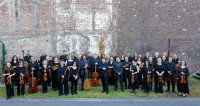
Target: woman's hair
{"points": [[7, 66]]}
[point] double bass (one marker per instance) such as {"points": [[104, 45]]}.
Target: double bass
{"points": [[86, 84], [32, 85], [95, 80]]}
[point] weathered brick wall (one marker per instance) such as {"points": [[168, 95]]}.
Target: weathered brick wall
{"points": [[125, 25]]}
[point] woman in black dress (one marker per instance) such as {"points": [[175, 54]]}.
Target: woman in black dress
{"points": [[147, 72], [134, 70], [182, 83], [9, 73], [74, 78]]}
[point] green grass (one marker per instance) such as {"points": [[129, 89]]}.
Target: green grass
{"points": [[95, 92]]}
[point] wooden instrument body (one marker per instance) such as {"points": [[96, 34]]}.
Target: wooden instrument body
{"points": [[95, 80], [32, 85], [110, 73], [21, 80], [45, 77], [183, 81], [132, 79], [9, 81], [160, 80], [176, 70], [148, 78], [86, 84]]}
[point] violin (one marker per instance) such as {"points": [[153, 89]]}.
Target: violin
{"points": [[148, 78], [8, 82], [21, 80], [55, 67], [169, 77], [160, 80], [183, 81], [45, 76], [95, 80]]}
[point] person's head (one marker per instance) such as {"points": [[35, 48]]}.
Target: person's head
{"points": [[103, 60], [183, 63], [170, 59], [64, 52], [82, 53], [150, 59], [73, 53], [157, 54], [133, 62], [138, 59], [163, 58], [50, 57], [56, 59], [89, 54], [44, 53], [55, 54], [32, 58], [74, 64], [95, 56], [128, 54], [8, 65], [21, 63], [139, 55], [38, 58], [47, 58], [147, 62], [122, 57], [14, 58], [99, 54], [69, 57], [45, 62], [118, 59], [159, 60], [111, 58], [147, 54], [62, 62], [165, 54], [135, 54], [84, 57], [126, 58], [175, 56], [113, 53], [28, 52], [18, 56], [79, 56]]}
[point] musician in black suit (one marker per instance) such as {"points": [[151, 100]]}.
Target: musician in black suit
{"points": [[63, 78], [118, 73], [104, 75], [84, 64], [170, 74]]}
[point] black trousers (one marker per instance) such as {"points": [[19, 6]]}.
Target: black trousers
{"points": [[82, 80], [120, 80], [22, 87], [172, 81], [135, 85], [74, 85], [55, 83], [104, 83], [44, 86], [125, 77], [66, 87], [10, 90]]}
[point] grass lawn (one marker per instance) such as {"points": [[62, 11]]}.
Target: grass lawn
{"points": [[95, 92]]}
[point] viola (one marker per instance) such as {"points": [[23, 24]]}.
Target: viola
{"points": [[21, 80], [160, 80], [183, 81], [148, 78], [45, 77], [8, 82]]}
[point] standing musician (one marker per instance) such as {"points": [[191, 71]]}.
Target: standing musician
{"points": [[84, 64], [44, 69], [27, 58], [64, 56], [74, 70], [122, 58], [63, 78], [182, 76], [118, 73], [43, 57], [9, 73], [73, 56], [111, 79], [134, 70], [55, 83], [14, 63], [114, 56], [175, 60], [135, 56], [104, 75], [147, 72], [129, 57], [164, 63], [146, 57], [38, 70], [140, 74], [33, 66], [170, 74], [90, 58], [126, 66], [50, 64], [20, 70], [159, 73], [94, 62]]}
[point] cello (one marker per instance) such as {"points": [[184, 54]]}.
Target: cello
{"points": [[86, 84], [32, 85], [95, 80]]}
